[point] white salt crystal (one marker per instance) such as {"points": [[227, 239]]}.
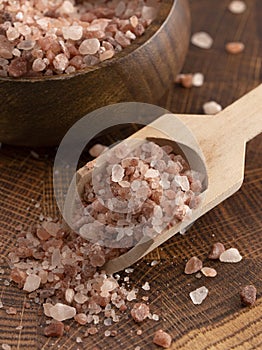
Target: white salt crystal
{"points": [[202, 40], [69, 295], [6, 347], [117, 173], [79, 340], [129, 270], [211, 108], [146, 286], [130, 35], [154, 263], [32, 283], [237, 7], [62, 312], [155, 317], [131, 295], [199, 295], [1, 304], [198, 79], [230, 255], [47, 307]]}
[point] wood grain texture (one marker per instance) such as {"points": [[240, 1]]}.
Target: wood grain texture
{"points": [[220, 322], [38, 112]]}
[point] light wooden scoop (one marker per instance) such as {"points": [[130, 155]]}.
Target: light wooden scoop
{"points": [[222, 139]]}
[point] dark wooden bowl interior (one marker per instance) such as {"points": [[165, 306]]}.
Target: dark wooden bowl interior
{"points": [[39, 111]]}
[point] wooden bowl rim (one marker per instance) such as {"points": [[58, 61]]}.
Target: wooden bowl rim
{"points": [[135, 46]]}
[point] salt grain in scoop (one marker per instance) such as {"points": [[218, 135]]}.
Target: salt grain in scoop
{"points": [[199, 295], [230, 255], [202, 40]]}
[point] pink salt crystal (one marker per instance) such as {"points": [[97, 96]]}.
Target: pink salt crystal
{"points": [[32, 283], [60, 62], [6, 48], [12, 33], [80, 298], [26, 45], [89, 46], [106, 55], [62, 312], [67, 7], [230, 255], [151, 173], [81, 319], [122, 39], [120, 8], [183, 182], [73, 32], [149, 13], [193, 265], [38, 65], [133, 21], [42, 234], [162, 339], [140, 312], [51, 227], [209, 272], [97, 150], [69, 295], [117, 173], [47, 307]]}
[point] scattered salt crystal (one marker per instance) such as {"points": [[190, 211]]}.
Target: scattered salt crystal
{"points": [[230, 255], [1, 304], [62, 312], [79, 340], [237, 7], [216, 250], [211, 108], [137, 348], [202, 40], [199, 295], [140, 312], [146, 286], [162, 339], [209, 272], [155, 317], [47, 307], [107, 333], [139, 332], [117, 173], [32, 283], [193, 265], [54, 329], [198, 79], [131, 295], [6, 347], [129, 270], [108, 322], [235, 47], [154, 263]]}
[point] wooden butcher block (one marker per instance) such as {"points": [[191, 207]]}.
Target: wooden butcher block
{"points": [[220, 322]]}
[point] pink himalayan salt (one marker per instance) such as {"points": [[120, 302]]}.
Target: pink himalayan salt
{"points": [[209, 271], [32, 283], [73, 32], [62, 312], [39, 65], [193, 265], [216, 250], [89, 46], [82, 319], [97, 150], [54, 329], [230, 255], [60, 62], [162, 339], [140, 312], [26, 45], [5, 48], [117, 173]]}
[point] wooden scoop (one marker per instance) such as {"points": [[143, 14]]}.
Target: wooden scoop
{"points": [[222, 140]]}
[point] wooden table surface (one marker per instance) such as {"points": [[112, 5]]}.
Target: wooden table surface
{"points": [[220, 323]]}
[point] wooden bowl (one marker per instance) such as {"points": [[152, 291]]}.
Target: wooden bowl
{"points": [[39, 111]]}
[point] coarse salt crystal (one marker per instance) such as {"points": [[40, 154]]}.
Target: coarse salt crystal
{"points": [[237, 7], [198, 79], [60, 62], [211, 108], [199, 295], [38, 65], [202, 40], [6, 347], [209, 272], [89, 46], [62, 312], [235, 47], [146, 286], [73, 32], [230, 255], [32, 283], [117, 173]]}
